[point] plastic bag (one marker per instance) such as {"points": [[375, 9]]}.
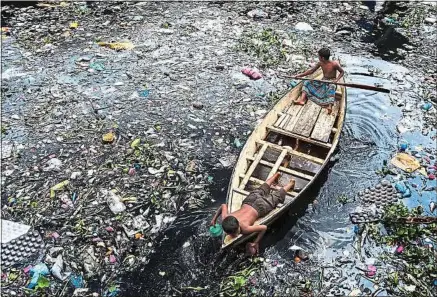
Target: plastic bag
{"points": [[405, 162]]}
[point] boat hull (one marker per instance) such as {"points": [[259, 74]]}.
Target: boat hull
{"points": [[308, 135]]}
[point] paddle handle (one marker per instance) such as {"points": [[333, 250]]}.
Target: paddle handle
{"points": [[351, 85]]}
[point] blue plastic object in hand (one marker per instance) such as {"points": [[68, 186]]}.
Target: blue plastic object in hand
{"points": [[216, 230]]}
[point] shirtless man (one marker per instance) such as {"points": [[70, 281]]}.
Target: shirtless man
{"points": [[257, 204], [321, 93]]}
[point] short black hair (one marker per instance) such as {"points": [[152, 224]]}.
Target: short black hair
{"points": [[324, 53], [230, 225]]}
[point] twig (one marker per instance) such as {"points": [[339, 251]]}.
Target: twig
{"points": [[63, 289]]}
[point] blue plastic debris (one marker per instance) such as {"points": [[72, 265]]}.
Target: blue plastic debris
{"points": [[76, 281], [356, 229], [40, 268], [97, 66], [427, 106], [143, 93], [237, 143], [403, 146], [35, 272], [401, 187], [74, 197], [391, 21], [113, 291], [407, 193]]}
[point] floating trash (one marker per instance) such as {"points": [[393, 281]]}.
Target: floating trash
{"points": [[117, 45], [143, 93]]}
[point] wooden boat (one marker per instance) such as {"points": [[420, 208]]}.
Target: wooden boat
{"points": [[275, 139]]}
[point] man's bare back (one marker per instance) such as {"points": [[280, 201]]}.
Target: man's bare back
{"points": [[242, 221], [246, 215]]}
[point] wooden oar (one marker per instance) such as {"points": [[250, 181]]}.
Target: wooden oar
{"points": [[351, 85]]}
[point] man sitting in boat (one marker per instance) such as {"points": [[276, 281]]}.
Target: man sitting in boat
{"points": [[257, 204], [321, 93]]}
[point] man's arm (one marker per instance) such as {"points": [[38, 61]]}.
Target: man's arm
{"points": [[309, 71], [339, 69], [223, 210], [258, 228]]}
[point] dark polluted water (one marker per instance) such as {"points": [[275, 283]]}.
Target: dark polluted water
{"points": [[187, 257]]}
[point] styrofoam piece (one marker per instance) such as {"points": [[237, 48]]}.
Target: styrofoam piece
{"points": [[12, 230]]}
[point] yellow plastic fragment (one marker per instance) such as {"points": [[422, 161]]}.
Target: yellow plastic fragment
{"points": [[135, 143], [108, 137], [117, 45], [58, 187], [405, 162], [129, 199]]}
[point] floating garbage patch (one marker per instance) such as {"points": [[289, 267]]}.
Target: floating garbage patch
{"points": [[120, 118]]}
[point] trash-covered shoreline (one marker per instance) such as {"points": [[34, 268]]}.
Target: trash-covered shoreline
{"points": [[115, 115]]}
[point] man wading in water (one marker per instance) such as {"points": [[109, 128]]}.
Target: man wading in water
{"points": [[321, 93], [256, 205]]}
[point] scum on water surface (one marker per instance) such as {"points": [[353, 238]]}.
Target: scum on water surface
{"points": [[180, 109]]}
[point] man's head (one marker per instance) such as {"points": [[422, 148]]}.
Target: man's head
{"points": [[231, 225], [324, 54]]}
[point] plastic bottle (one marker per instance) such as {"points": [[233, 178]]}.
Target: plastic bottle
{"points": [[114, 201]]}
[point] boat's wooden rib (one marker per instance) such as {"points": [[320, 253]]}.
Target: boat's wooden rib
{"points": [[284, 169], [311, 132], [240, 191], [260, 182], [300, 137], [253, 166], [278, 163], [291, 151]]}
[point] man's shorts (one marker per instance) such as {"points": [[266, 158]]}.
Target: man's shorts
{"points": [[263, 201]]}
